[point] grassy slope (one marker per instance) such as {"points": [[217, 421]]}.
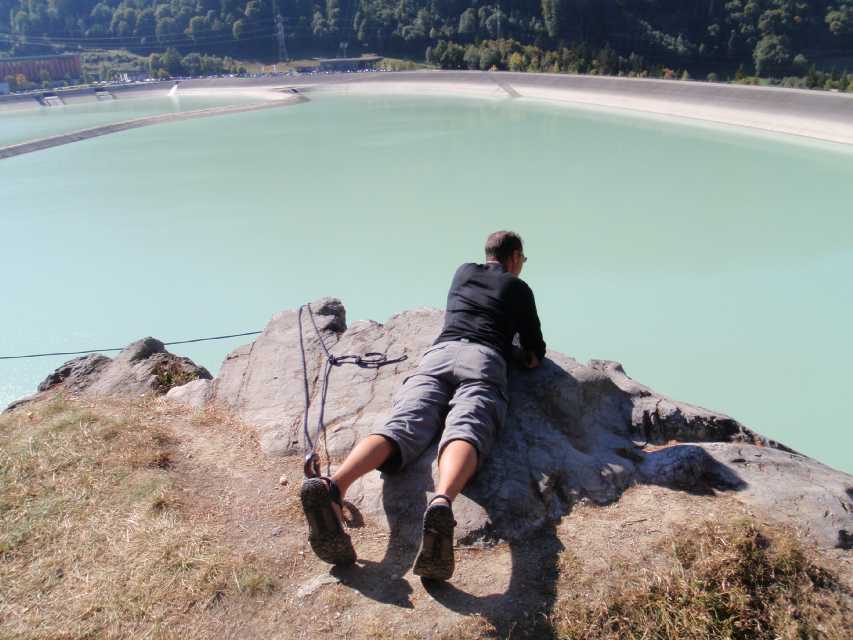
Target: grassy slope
{"points": [[141, 520], [95, 541]]}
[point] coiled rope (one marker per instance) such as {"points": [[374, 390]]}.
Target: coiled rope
{"points": [[371, 360]]}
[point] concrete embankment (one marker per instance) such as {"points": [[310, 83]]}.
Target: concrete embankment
{"points": [[81, 95], [85, 134], [819, 115]]}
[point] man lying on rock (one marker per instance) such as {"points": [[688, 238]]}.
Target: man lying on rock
{"points": [[460, 384]]}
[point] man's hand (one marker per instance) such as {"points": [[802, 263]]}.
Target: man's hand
{"points": [[531, 360], [524, 358]]}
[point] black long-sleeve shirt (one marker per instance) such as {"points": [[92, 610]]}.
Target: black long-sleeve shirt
{"points": [[488, 305]]}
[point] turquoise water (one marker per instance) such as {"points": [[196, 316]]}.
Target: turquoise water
{"points": [[20, 126], [715, 265]]}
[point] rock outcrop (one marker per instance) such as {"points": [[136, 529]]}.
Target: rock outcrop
{"points": [[144, 366], [574, 431]]}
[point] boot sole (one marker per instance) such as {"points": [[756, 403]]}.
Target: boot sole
{"points": [[435, 558], [326, 535]]}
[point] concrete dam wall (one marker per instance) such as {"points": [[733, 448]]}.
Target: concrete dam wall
{"points": [[94, 132], [818, 115]]}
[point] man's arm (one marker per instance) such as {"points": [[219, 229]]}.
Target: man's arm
{"points": [[529, 328]]}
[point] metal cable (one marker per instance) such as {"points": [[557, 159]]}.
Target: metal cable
{"points": [[77, 353]]}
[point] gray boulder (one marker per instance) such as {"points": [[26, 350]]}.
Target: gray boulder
{"points": [[195, 394], [76, 374], [144, 366], [574, 431]]}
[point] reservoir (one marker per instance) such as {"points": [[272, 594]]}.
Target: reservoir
{"points": [[23, 125], [714, 263]]}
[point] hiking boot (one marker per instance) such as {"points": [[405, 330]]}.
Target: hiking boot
{"points": [[435, 558], [325, 530]]}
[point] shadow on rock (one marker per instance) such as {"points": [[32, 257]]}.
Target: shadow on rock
{"points": [[688, 468]]}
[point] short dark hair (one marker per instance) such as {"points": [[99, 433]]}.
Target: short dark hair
{"points": [[501, 244]]}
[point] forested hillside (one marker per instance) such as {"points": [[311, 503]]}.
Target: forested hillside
{"points": [[768, 37]]}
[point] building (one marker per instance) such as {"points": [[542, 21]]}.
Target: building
{"points": [[33, 67], [131, 76], [4, 88], [348, 64]]}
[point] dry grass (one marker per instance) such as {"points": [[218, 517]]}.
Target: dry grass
{"points": [[471, 627], [737, 580], [93, 538], [111, 526]]}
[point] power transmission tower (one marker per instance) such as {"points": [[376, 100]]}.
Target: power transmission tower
{"points": [[499, 20], [279, 33]]}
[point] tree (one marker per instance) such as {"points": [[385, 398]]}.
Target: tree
{"points": [[472, 56], [840, 20], [771, 54], [198, 28], [123, 23], [607, 61], [238, 29], [166, 27], [468, 23], [454, 57], [192, 64], [801, 63], [764, 34], [489, 57], [812, 79], [101, 14], [434, 54], [146, 24], [254, 10], [172, 62], [155, 63], [553, 12]]}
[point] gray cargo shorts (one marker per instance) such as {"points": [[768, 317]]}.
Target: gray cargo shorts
{"points": [[459, 385]]}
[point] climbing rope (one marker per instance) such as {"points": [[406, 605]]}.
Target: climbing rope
{"points": [[371, 360]]}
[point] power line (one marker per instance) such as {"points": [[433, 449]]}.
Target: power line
{"points": [[269, 30], [123, 39], [72, 47], [70, 37], [77, 353], [132, 42]]}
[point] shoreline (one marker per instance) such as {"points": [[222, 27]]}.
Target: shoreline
{"points": [[30, 146], [768, 110], [795, 113]]}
